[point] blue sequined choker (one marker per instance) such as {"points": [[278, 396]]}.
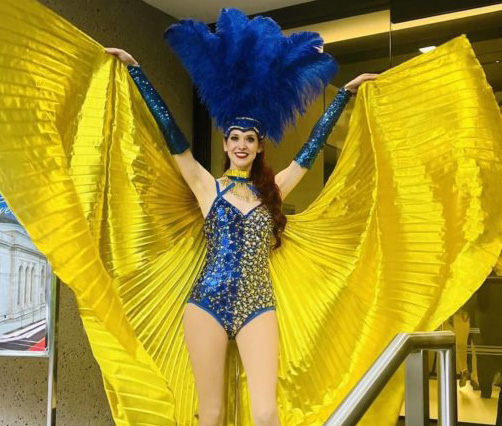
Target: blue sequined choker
{"points": [[238, 175], [239, 179]]}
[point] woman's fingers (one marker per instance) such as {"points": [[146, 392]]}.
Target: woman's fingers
{"points": [[113, 50], [124, 56], [353, 85]]}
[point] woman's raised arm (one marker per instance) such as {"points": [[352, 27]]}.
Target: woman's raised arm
{"points": [[288, 178], [198, 179]]}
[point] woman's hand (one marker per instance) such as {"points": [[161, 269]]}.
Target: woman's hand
{"points": [[125, 57], [353, 85]]}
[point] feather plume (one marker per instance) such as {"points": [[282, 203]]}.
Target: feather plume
{"points": [[248, 68]]}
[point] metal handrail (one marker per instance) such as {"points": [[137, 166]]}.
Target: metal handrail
{"points": [[413, 348]]}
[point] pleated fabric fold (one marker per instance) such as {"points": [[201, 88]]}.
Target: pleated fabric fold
{"points": [[406, 229], [87, 173]]}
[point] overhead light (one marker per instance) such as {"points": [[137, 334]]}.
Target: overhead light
{"points": [[427, 49]]}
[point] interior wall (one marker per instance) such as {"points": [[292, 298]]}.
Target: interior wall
{"points": [[137, 28]]}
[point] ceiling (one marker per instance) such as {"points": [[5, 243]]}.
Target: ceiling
{"points": [[208, 10]]}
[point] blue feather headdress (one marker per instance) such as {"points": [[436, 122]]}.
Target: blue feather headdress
{"points": [[249, 75]]}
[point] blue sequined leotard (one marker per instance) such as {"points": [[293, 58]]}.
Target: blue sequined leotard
{"points": [[235, 286]]}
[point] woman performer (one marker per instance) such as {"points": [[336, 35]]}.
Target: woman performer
{"points": [[242, 209]]}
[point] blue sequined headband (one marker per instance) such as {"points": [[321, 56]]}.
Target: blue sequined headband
{"points": [[244, 124]]}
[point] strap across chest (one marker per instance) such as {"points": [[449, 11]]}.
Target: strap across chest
{"points": [[221, 192]]}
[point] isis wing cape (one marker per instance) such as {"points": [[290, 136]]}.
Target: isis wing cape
{"points": [[406, 229]]}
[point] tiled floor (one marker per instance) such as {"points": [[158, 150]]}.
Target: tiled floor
{"points": [[472, 409]]}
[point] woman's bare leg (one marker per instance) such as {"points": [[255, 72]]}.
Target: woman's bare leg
{"points": [[207, 344], [258, 343]]}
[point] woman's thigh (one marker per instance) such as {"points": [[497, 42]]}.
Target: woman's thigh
{"points": [[207, 344], [258, 343]]}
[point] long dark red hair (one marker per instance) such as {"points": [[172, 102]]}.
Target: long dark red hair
{"points": [[263, 179]]}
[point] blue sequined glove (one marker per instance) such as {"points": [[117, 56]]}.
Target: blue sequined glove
{"points": [[322, 129], [176, 141]]}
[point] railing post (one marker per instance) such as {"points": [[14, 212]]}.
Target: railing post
{"points": [[417, 389], [53, 352], [447, 388], [355, 404]]}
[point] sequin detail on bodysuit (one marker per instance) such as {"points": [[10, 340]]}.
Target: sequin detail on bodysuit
{"points": [[235, 284]]}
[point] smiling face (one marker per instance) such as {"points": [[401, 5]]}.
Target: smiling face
{"points": [[241, 148]]}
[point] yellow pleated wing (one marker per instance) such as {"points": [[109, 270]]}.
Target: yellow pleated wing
{"points": [[404, 232], [406, 229], [86, 171]]}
